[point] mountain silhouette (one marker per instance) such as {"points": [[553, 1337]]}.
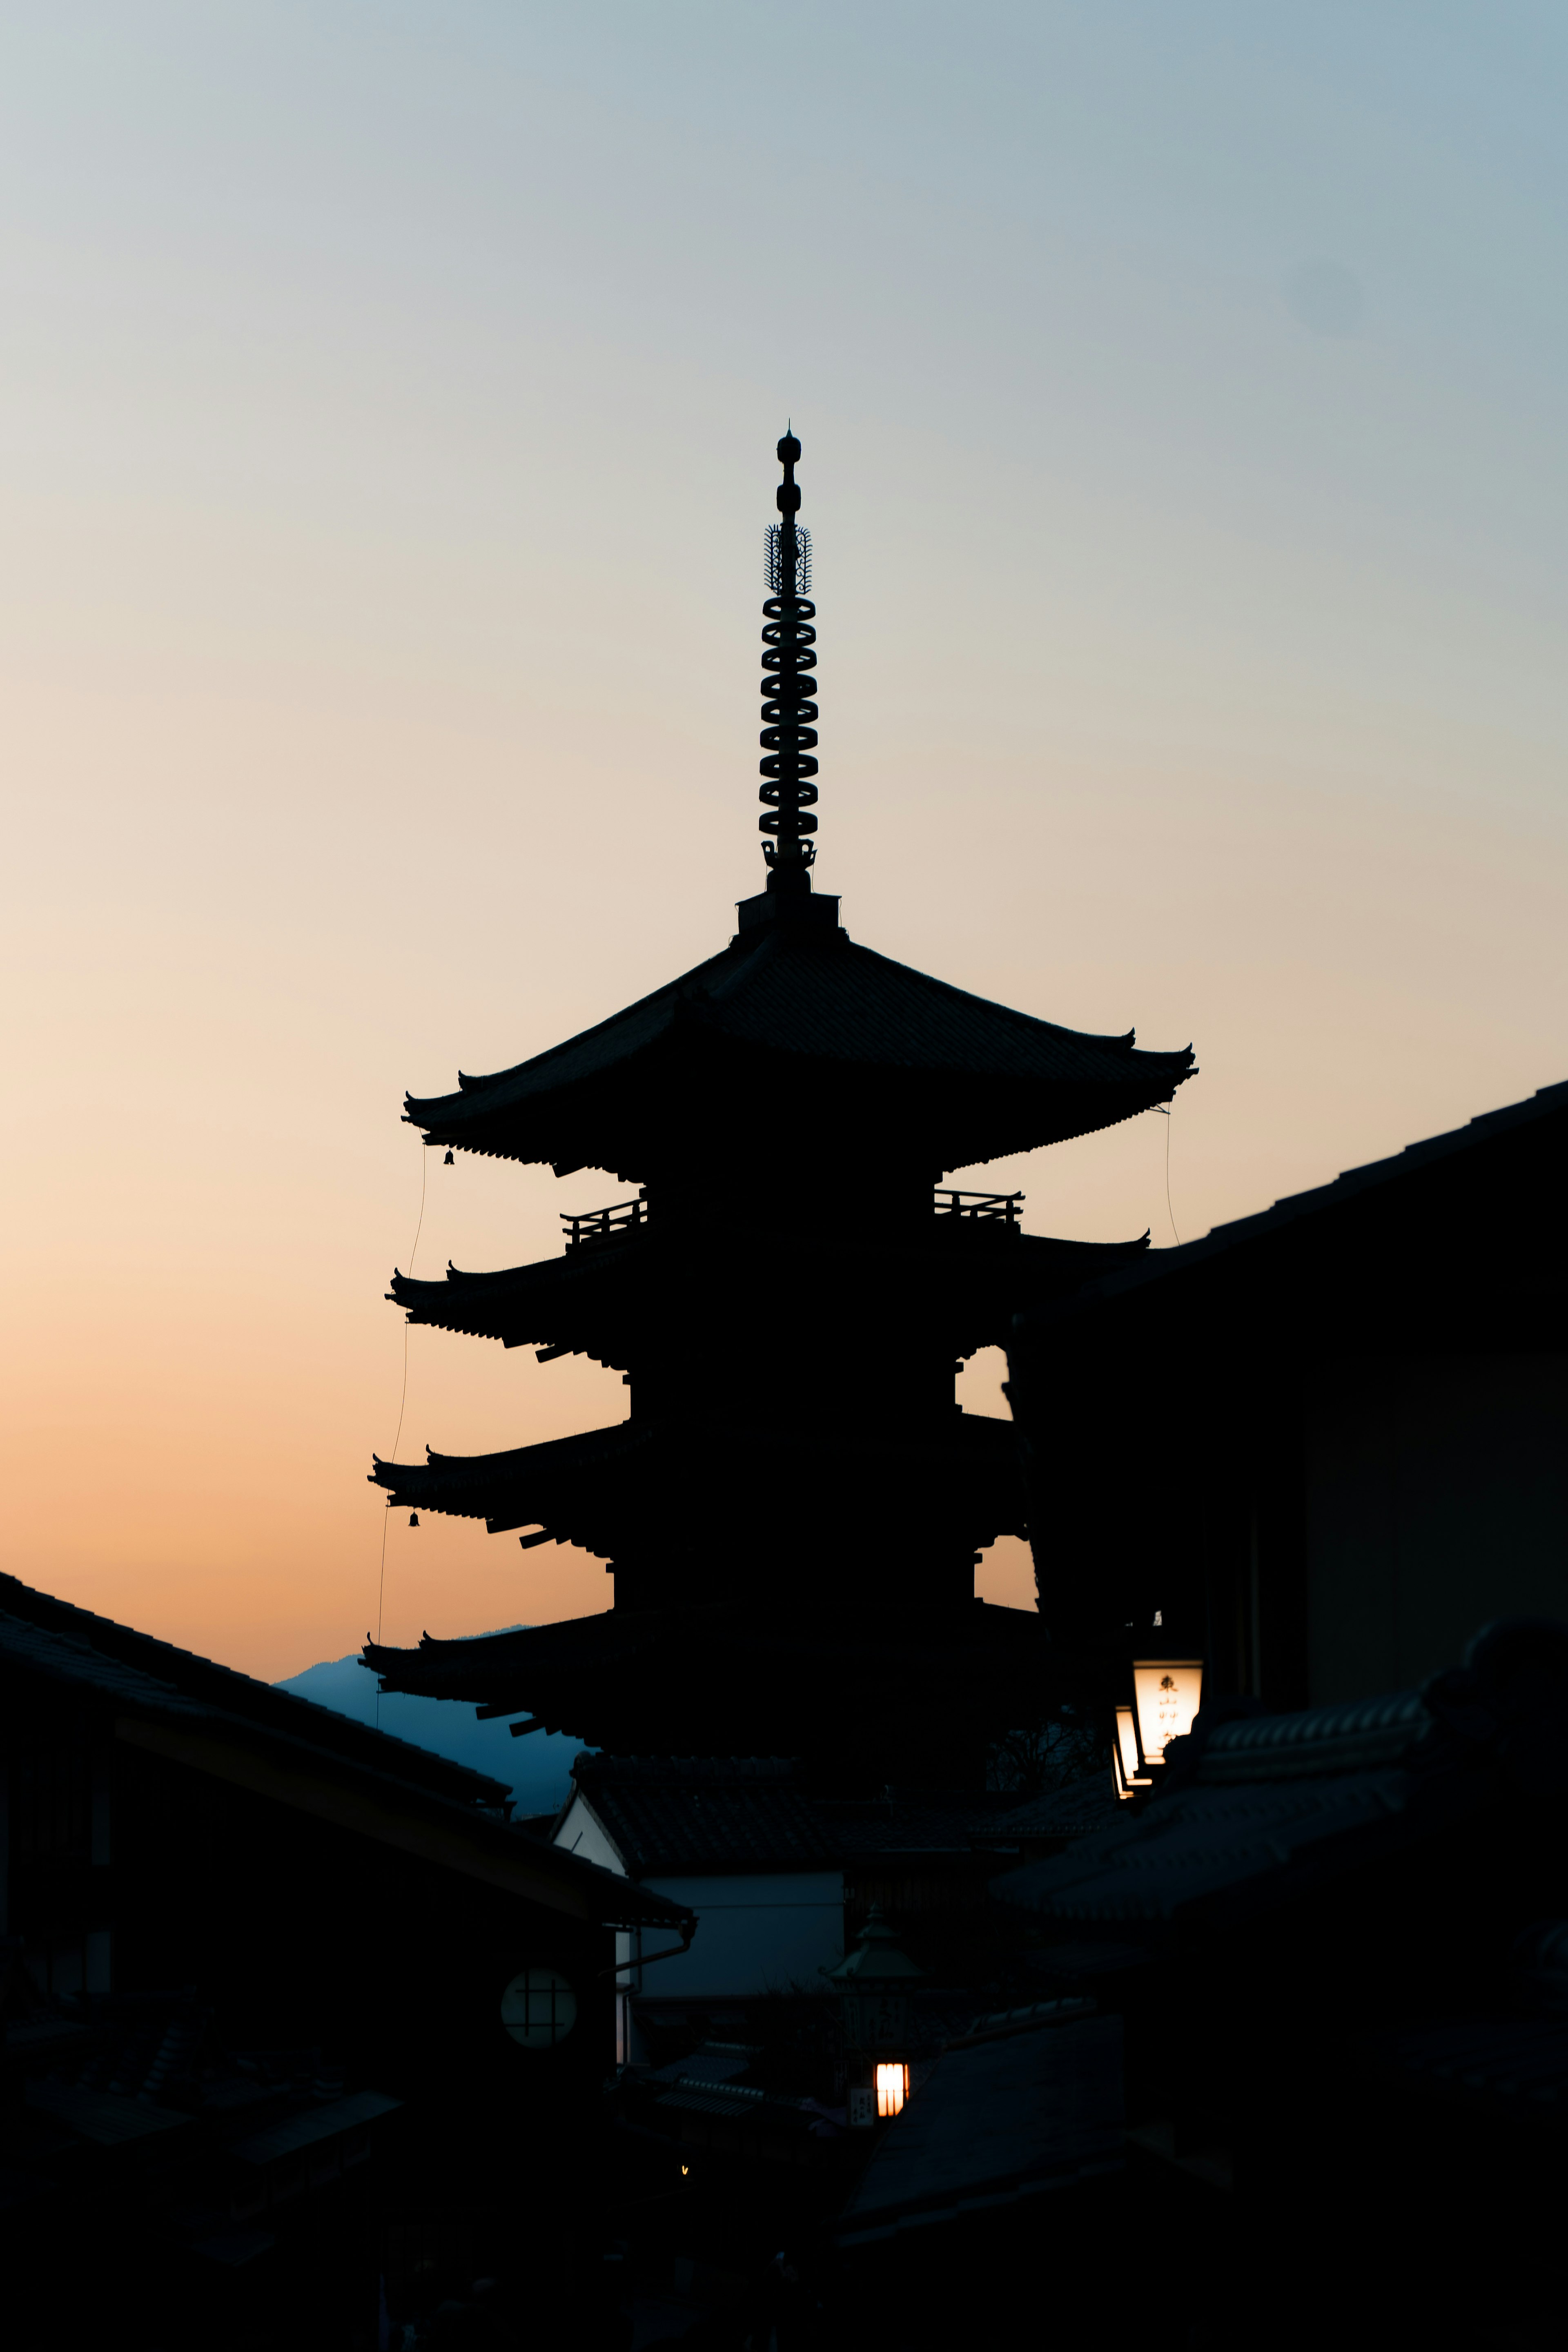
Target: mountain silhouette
{"points": [[536, 1769]]}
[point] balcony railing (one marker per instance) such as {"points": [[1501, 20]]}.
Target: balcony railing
{"points": [[596, 1226], [983, 1208], [605, 1225]]}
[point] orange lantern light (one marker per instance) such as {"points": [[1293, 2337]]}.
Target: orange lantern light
{"points": [[892, 2088], [1124, 1757], [1169, 1692]]}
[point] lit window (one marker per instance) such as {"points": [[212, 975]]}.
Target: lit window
{"points": [[539, 2009], [892, 2088]]}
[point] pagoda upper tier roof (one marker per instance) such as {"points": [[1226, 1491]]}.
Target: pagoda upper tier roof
{"points": [[604, 1487], [794, 1017], [730, 1677], [599, 1299]]}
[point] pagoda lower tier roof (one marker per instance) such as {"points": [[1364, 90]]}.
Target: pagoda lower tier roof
{"points": [[973, 1278], [736, 1678], [795, 1029], [618, 1489]]}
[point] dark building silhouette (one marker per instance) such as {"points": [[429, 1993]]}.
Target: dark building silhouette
{"points": [[253, 1963], [1337, 1940], [1350, 1414], [793, 1545]]}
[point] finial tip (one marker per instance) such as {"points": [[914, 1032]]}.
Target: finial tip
{"points": [[789, 450]]}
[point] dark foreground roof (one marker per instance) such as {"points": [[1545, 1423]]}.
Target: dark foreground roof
{"points": [[793, 1005], [1029, 2102], [120, 1661], [190, 1711], [1261, 1808], [1510, 2067], [1481, 1204], [1079, 1811]]}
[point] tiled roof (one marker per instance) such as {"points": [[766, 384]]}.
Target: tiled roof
{"points": [[659, 1801], [675, 1816], [1194, 1854], [67, 1661], [1519, 2065], [54, 1636], [595, 1298], [1074, 1812], [812, 995], [596, 1488], [732, 1674], [1025, 2105], [1542, 1116], [905, 1828], [161, 1694], [1259, 1808]]}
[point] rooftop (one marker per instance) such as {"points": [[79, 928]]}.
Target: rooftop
{"points": [[1025, 2103], [792, 1005], [192, 1711], [1485, 1195], [1261, 1807], [703, 1814]]}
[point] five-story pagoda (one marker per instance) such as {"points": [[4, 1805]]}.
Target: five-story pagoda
{"points": [[792, 1545]]}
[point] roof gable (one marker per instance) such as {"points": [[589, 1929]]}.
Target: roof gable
{"points": [[704, 1814], [785, 1001]]}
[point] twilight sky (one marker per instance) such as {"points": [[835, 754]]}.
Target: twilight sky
{"points": [[388, 401]]}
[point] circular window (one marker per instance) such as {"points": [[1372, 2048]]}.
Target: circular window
{"points": [[539, 2009]]}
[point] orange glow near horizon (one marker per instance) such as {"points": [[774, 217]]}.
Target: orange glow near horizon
{"points": [[1190, 660]]}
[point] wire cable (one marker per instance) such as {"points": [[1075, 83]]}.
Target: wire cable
{"points": [[1168, 1110], [402, 1407]]}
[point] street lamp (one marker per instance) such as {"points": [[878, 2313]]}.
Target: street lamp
{"points": [[1168, 1692], [1125, 1762], [876, 1981]]}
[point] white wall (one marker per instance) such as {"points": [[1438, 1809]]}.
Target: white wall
{"points": [[580, 1833], [757, 1933]]}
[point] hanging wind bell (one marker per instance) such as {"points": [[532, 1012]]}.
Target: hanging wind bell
{"points": [[413, 1518]]}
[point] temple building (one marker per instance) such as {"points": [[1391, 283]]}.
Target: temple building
{"points": [[792, 1544]]}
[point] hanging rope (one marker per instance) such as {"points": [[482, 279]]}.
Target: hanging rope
{"points": [[402, 1404], [1166, 1112]]}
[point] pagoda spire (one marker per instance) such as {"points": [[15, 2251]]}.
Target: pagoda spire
{"points": [[789, 712]]}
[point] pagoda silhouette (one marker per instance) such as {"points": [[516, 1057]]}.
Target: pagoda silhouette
{"points": [[793, 1506]]}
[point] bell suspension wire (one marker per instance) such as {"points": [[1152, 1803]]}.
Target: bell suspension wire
{"points": [[789, 709], [1166, 1110], [402, 1402]]}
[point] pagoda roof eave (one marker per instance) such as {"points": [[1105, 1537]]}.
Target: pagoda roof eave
{"points": [[594, 1288], [581, 1489], [478, 1302], [468, 1666], [978, 1078], [583, 1674]]}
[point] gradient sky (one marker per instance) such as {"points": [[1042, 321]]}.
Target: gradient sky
{"points": [[388, 398]]}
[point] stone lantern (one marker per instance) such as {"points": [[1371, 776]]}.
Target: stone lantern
{"points": [[875, 1981]]}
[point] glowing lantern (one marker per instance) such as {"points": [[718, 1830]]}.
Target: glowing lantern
{"points": [[1169, 1692], [892, 2088], [1124, 1757], [876, 1981]]}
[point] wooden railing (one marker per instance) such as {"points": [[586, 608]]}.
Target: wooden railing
{"points": [[985, 1207], [605, 1225], [623, 1216]]}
